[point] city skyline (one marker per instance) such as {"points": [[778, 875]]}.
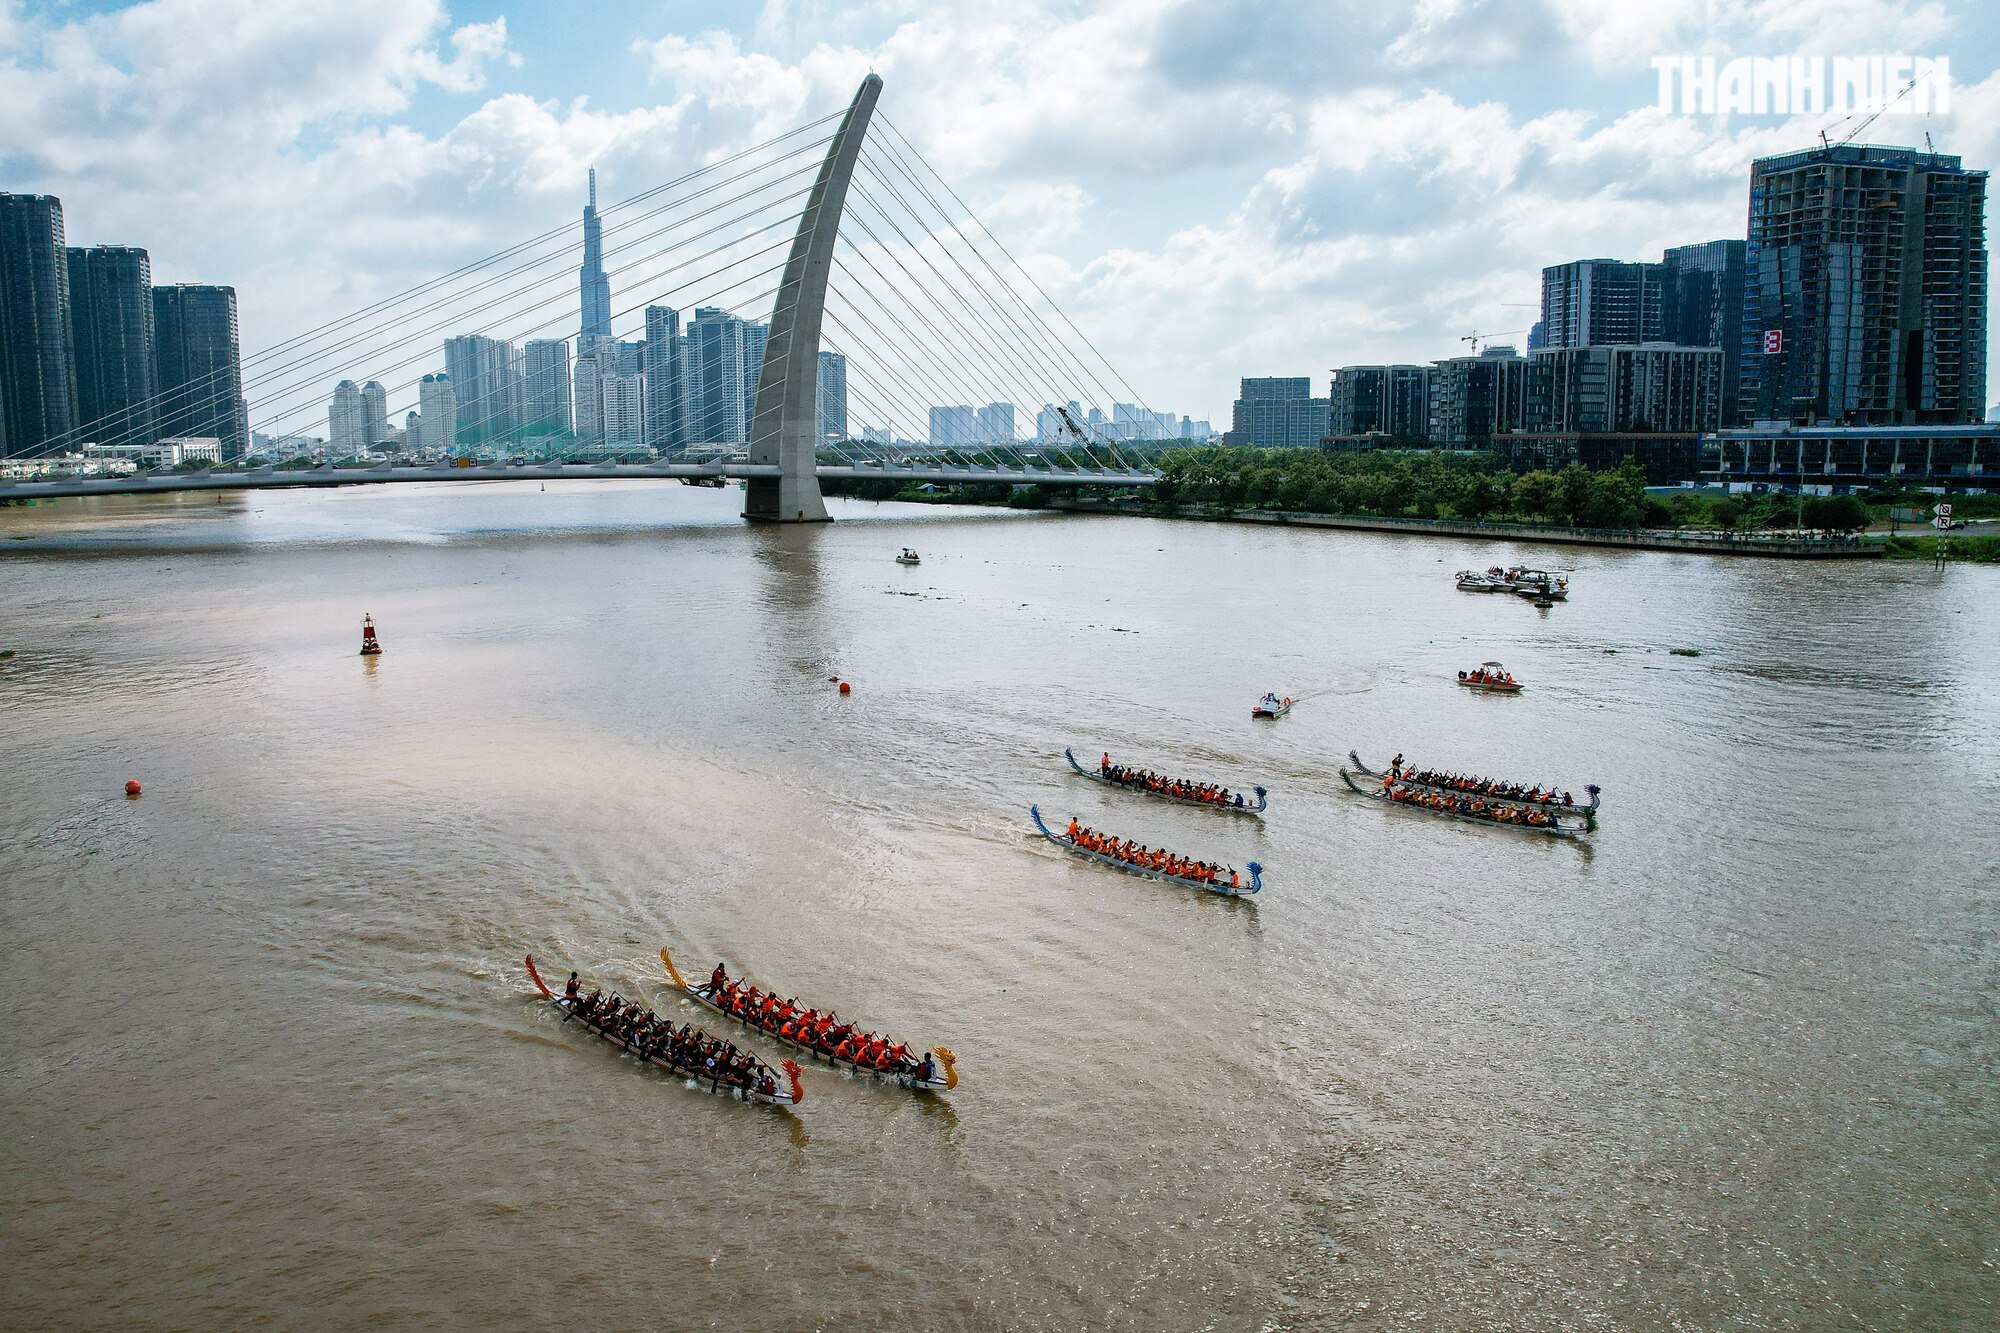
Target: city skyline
{"points": [[1372, 208]]}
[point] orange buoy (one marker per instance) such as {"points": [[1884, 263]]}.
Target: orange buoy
{"points": [[132, 787], [845, 688]]}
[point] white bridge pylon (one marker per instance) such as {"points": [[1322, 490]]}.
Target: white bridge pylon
{"points": [[785, 426]]}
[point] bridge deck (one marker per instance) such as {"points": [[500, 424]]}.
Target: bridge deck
{"points": [[220, 479]]}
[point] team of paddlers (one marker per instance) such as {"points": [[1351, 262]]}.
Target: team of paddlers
{"points": [[1206, 792], [1151, 858], [1488, 787], [810, 1028], [684, 1047], [1470, 807]]}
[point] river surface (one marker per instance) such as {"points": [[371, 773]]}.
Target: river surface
{"points": [[271, 1055]]}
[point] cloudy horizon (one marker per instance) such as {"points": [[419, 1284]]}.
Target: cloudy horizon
{"points": [[1210, 191]]}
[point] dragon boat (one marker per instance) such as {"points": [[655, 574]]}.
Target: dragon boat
{"points": [[1255, 885], [945, 1079], [1587, 809], [1247, 808], [781, 1097], [1553, 825]]}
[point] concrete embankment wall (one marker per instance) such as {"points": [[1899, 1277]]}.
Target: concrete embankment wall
{"points": [[1779, 548]]}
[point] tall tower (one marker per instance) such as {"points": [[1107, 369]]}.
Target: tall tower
{"points": [[111, 316], [1865, 289], [596, 288], [198, 359], [37, 356]]}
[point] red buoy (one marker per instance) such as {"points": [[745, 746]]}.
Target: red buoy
{"points": [[370, 645], [845, 688], [132, 787]]}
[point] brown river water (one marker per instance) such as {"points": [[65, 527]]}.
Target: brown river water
{"points": [[271, 1056]]}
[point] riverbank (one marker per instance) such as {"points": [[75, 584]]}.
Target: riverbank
{"points": [[1770, 545]]}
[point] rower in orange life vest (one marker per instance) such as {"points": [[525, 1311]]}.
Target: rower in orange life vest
{"points": [[569, 990], [718, 979]]}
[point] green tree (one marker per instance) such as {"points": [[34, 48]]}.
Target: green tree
{"points": [[1836, 513], [1536, 495]]}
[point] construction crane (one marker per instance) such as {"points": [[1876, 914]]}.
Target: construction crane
{"points": [[1873, 116], [1474, 338], [1069, 422]]}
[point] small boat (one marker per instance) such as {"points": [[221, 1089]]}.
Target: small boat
{"points": [[370, 645], [1588, 810], [1471, 580], [1241, 807], [1490, 678], [909, 557], [1533, 583], [1272, 706], [944, 1080], [779, 1097], [1255, 885], [1552, 827]]}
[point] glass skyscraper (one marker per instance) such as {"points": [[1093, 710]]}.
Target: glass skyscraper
{"points": [[595, 288], [37, 365], [200, 365], [111, 319], [1865, 289]]}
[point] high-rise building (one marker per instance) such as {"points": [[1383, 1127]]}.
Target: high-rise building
{"points": [[832, 396], [954, 427], [1652, 388], [756, 339], [347, 419], [994, 424], [374, 413], [1279, 411], [111, 321], [545, 388], [596, 362], [37, 361], [1393, 401], [624, 411], [722, 382], [665, 395], [1705, 299], [1473, 398], [1865, 285], [1602, 302], [199, 363], [486, 382], [595, 288], [438, 404]]}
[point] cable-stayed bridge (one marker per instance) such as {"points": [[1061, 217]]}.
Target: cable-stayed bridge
{"points": [[860, 250]]}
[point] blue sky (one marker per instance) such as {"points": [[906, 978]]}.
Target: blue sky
{"points": [[1211, 189]]}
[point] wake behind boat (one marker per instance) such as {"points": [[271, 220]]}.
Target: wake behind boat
{"points": [[686, 1052], [1526, 797], [819, 1035], [1121, 854], [1209, 795]]}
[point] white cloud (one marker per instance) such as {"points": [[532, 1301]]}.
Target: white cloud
{"points": [[1212, 189]]}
